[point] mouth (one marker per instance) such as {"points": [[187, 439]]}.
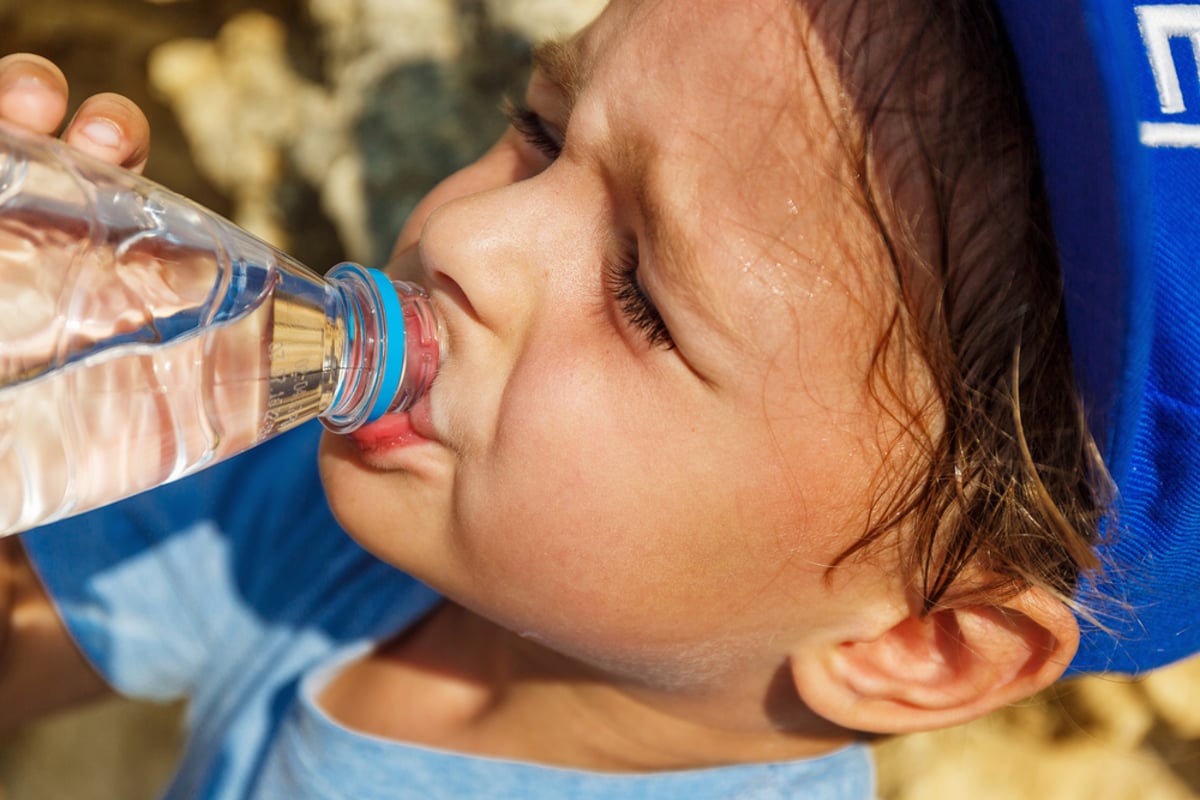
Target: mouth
{"points": [[424, 356], [387, 432], [394, 431]]}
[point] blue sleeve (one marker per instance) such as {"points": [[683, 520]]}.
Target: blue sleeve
{"points": [[152, 587]]}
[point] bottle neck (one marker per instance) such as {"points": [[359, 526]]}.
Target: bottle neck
{"points": [[384, 346]]}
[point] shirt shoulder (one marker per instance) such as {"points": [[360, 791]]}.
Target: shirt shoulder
{"points": [[161, 589]]}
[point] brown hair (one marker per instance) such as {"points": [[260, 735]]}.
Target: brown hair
{"points": [[1009, 486]]}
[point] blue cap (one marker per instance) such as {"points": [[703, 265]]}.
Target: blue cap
{"points": [[1114, 91]]}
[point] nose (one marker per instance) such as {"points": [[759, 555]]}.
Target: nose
{"points": [[473, 250], [505, 253]]}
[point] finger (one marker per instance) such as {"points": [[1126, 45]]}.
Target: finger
{"points": [[33, 92], [113, 128]]}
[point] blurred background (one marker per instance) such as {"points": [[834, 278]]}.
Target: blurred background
{"points": [[317, 124]]}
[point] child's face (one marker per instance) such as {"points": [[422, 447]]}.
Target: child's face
{"points": [[665, 511]]}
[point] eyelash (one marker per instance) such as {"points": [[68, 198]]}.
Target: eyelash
{"points": [[640, 311], [621, 273], [532, 128]]}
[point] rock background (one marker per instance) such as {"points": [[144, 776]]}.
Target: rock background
{"points": [[317, 124]]}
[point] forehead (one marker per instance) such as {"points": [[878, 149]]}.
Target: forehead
{"points": [[733, 75], [728, 112]]}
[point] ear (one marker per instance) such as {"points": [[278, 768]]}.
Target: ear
{"points": [[941, 669]]}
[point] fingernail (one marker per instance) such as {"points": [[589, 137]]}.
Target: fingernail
{"points": [[31, 94], [102, 133], [21, 95], [27, 76], [25, 83]]}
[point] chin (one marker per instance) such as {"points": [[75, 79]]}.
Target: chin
{"points": [[399, 515]]}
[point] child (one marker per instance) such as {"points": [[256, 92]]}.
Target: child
{"points": [[756, 435]]}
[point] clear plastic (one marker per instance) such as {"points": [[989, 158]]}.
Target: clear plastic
{"points": [[143, 337]]}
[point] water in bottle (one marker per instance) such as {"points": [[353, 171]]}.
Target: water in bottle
{"points": [[143, 338]]}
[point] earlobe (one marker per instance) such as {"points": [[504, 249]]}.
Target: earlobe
{"points": [[942, 668]]}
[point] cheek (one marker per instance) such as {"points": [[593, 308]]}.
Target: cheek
{"points": [[608, 510], [552, 493]]}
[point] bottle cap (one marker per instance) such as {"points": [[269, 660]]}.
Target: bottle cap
{"points": [[394, 342], [393, 347]]}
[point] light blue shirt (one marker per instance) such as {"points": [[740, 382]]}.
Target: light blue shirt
{"points": [[236, 589]]}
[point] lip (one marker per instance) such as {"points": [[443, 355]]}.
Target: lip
{"points": [[396, 431], [386, 433]]}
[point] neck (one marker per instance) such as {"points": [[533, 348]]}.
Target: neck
{"points": [[462, 683]]}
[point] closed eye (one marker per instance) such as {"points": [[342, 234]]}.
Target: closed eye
{"points": [[622, 272], [533, 129], [636, 306]]}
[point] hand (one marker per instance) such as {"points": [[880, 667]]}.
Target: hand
{"points": [[33, 94]]}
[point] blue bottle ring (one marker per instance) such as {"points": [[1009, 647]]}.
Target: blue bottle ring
{"points": [[392, 332]]}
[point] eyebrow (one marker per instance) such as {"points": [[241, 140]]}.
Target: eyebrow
{"points": [[558, 63]]}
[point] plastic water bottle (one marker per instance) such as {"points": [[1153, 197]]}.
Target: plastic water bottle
{"points": [[143, 337]]}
